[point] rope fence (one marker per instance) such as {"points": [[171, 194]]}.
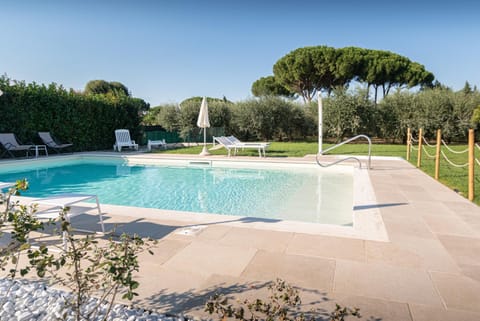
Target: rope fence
{"points": [[426, 152], [423, 147]]}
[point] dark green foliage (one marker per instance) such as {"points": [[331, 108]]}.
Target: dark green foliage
{"points": [[102, 87], [267, 86], [97, 87], [269, 118], [183, 118], [88, 121], [198, 100], [346, 115], [308, 70], [430, 109], [165, 116]]}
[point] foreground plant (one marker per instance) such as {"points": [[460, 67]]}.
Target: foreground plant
{"points": [[283, 304], [89, 268], [16, 223]]}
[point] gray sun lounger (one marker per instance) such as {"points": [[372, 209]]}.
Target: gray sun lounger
{"points": [[10, 144]]}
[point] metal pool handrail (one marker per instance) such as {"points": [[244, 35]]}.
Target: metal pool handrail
{"points": [[348, 158]]}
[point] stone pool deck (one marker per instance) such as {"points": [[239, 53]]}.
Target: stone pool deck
{"points": [[429, 269]]}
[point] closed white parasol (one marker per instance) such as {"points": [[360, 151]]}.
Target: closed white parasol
{"points": [[204, 122]]}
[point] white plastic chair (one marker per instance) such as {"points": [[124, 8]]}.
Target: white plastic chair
{"points": [[122, 137]]}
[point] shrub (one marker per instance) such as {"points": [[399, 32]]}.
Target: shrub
{"points": [[283, 304]]}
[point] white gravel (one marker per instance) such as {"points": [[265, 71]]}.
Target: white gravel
{"points": [[24, 301]]}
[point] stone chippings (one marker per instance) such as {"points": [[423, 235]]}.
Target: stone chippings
{"points": [[25, 301]]}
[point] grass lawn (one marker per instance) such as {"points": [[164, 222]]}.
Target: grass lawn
{"points": [[300, 150], [453, 177]]}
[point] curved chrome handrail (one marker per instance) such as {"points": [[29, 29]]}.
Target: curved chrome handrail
{"points": [[348, 158]]}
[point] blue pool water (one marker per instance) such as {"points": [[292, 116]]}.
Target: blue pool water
{"points": [[310, 195]]}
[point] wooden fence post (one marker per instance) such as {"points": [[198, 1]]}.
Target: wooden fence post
{"points": [[420, 138], [409, 142], [471, 164], [437, 154]]}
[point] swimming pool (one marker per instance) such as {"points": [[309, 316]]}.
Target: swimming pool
{"points": [[303, 193]]}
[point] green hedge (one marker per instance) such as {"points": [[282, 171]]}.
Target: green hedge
{"points": [[88, 121]]}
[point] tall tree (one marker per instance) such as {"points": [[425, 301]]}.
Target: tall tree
{"points": [[307, 70], [103, 87], [268, 86], [97, 87]]}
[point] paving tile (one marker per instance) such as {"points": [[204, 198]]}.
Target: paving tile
{"points": [[141, 227], [472, 219], [411, 253], [464, 250], [327, 247], [165, 289], [385, 283], [462, 206], [259, 239], [436, 208], [163, 251], [373, 309], [428, 313], [297, 270], [413, 226], [449, 225], [416, 194], [214, 232], [458, 291], [396, 209], [390, 196], [471, 271], [207, 259]]}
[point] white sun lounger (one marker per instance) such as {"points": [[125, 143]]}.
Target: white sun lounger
{"points": [[239, 142], [53, 205], [4, 185], [122, 137], [230, 145]]}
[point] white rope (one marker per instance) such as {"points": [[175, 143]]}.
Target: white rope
{"points": [[452, 163], [478, 146], [426, 153], [426, 142], [413, 139], [478, 162], [454, 151], [413, 147]]}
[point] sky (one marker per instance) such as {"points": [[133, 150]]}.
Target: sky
{"points": [[165, 51]]}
